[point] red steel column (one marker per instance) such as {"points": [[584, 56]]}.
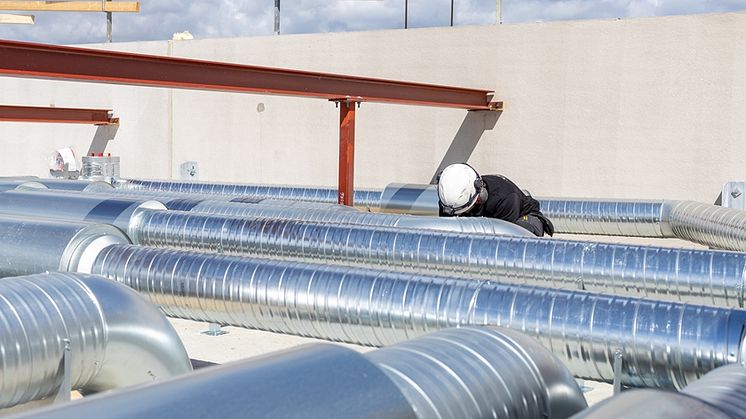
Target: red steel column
{"points": [[346, 151]]}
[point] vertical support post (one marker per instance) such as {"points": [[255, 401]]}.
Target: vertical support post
{"points": [[499, 15], [277, 17], [63, 392], [618, 364], [108, 20], [346, 151], [406, 13], [109, 25], [452, 12]]}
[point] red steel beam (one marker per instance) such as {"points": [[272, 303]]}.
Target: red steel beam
{"points": [[57, 115], [347, 110], [23, 59]]}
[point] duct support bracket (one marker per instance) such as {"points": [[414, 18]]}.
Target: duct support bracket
{"points": [[63, 393], [618, 364], [214, 329], [347, 109]]}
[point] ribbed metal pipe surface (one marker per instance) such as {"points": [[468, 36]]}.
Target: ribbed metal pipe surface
{"points": [[667, 344], [480, 372], [710, 225], [74, 207], [458, 224], [723, 388], [33, 245], [362, 198], [465, 373], [695, 276], [116, 338], [719, 394]]}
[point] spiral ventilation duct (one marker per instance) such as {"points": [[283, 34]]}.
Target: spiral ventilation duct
{"points": [[362, 198], [719, 394], [33, 245], [75, 207], [455, 224], [667, 344], [119, 210], [698, 276], [723, 388], [710, 225], [116, 338], [457, 373]]}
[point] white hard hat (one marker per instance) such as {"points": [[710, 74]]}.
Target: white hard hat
{"points": [[459, 186]]}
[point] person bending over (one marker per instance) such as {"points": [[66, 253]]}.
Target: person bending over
{"points": [[463, 192]]}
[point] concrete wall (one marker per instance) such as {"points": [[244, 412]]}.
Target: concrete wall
{"points": [[640, 108]]}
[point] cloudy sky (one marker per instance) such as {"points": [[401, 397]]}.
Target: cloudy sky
{"points": [[159, 19]]}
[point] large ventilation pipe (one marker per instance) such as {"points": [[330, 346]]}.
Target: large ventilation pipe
{"points": [[33, 245], [719, 394], [704, 277], [453, 224], [710, 225], [119, 211], [451, 374], [697, 276], [115, 211], [116, 339], [368, 199], [663, 344]]}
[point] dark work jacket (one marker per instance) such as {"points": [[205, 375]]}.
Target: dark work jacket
{"points": [[506, 201]]}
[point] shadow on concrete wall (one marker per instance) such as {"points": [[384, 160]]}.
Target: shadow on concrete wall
{"points": [[104, 134], [467, 138]]}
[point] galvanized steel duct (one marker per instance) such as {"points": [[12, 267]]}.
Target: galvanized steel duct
{"points": [[480, 372], [723, 388], [76, 207], [695, 276], [116, 338], [723, 228], [452, 374], [119, 211], [454, 224], [33, 245], [665, 344], [710, 225], [719, 394], [362, 198]]}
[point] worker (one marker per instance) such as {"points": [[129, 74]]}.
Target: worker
{"points": [[463, 192]]}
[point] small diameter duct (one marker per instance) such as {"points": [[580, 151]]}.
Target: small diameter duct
{"points": [[33, 245], [366, 199], [719, 394], [116, 339], [451, 374], [696, 276], [663, 344]]}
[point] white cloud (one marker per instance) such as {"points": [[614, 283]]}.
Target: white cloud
{"points": [[159, 19]]}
